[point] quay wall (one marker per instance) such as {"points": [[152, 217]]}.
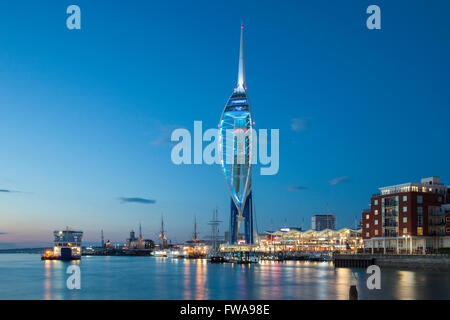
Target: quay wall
{"points": [[429, 261]]}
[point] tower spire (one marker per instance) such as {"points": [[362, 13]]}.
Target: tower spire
{"points": [[241, 87]]}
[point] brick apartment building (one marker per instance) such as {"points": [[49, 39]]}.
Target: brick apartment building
{"points": [[414, 212]]}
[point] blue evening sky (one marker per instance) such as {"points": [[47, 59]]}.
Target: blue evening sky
{"points": [[86, 115]]}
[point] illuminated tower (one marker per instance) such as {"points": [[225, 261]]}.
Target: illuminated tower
{"points": [[236, 153]]}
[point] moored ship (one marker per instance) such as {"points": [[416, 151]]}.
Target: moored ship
{"points": [[66, 246]]}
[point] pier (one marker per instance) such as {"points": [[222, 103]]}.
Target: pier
{"points": [[415, 261]]}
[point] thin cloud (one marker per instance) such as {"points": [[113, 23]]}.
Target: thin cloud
{"points": [[299, 124], [162, 134], [3, 233], [296, 188], [339, 180], [162, 140], [137, 200], [8, 191]]}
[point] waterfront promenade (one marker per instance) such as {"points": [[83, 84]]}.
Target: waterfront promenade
{"points": [[403, 261]]}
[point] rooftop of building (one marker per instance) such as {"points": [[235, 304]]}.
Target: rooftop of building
{"points": [[429, 184], [344, 232]]}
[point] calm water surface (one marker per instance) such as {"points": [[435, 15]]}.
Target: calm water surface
{"points": [[25, 276]]}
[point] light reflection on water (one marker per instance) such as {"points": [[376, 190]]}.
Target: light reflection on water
{"points": [[25, 276]]}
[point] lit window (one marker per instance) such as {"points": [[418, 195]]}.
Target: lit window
{"points": [[367, 216], [419, 199], [405, 219], [375, 202], [405, 209], [419, 231], [367, 234], [376, 222], [405, 230], [376, 212], [405, 198], [367, 225], [376, 232]]}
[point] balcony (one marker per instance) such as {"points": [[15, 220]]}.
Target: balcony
{"points": [[437, 233], [436, 212], [390, 224], [391, 214], [437, 223]]}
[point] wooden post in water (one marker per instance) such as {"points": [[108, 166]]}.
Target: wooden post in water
{"points": [[353, 293]]}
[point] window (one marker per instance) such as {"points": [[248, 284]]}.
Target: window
{"points": [[367, 235], [447, 219], [367, 225], [405, 219], [375, 202], [440, 199], [405, 198], [376, 232], [376, 222], [447, 230], [419, 217], [405, 230], [367, 216], [419, 199], [376, 212], [405, 209]]}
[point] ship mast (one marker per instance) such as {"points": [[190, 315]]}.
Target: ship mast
{"points": [[162, 234], [195, 239], [214, 223]]}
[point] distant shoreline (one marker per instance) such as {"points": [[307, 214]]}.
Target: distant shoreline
{"points": [[24, 250]]}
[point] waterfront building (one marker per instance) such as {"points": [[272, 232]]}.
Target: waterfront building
{"points": [[409, 217], [138, 243], [323, 221], [236, 157], [287, 239], [295, 240]]}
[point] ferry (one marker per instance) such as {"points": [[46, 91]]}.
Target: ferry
{"points": [[177, 254], [66, 246], [161, 253]]}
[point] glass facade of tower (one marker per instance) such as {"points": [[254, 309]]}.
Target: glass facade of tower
{"points": [[235, 149]]}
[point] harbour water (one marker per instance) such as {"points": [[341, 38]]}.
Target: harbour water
{"points": [[25, 276]]}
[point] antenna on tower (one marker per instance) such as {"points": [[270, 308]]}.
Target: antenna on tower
{"points": [[241, 85]]}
